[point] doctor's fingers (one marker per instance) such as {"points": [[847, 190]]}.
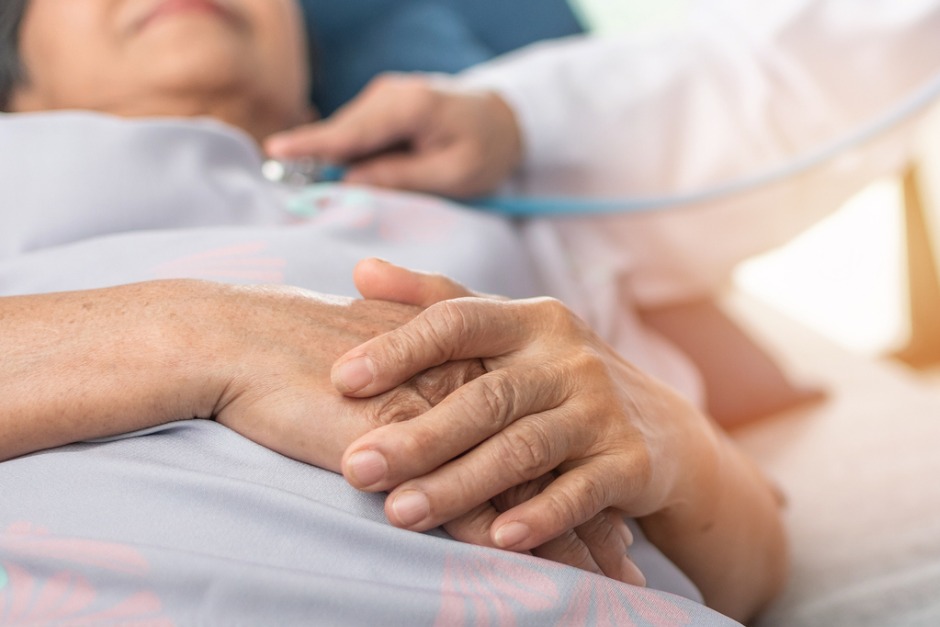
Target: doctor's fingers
{"points": [[453, 168], [466, 146], [406, 132], [463, 328], [476, 412], [393, 109]]}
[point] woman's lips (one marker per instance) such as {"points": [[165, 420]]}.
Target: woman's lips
{"points": [[173, 7]]}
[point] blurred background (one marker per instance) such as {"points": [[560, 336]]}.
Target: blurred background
{"points": [[866, 277]]}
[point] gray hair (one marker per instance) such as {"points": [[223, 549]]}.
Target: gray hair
{"points": [[12, 72]]}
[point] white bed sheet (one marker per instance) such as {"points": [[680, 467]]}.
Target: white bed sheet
{"points": [[860, 472]]}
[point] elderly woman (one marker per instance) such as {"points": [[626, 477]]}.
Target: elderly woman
{"points": [[110, 342]]}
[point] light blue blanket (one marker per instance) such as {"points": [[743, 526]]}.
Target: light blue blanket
{"points": [[191, 523]]}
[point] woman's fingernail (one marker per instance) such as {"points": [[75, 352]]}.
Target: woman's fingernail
{"points": [[511, 535], [627, 535], [411, 507], [355, 375], [630, 573], [367, 468]]}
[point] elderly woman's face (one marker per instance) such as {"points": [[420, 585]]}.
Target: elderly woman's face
{"points": [[230, 58]]}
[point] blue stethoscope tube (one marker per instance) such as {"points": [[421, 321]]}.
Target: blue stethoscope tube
{"points": [[311, 171], [523, 206]]}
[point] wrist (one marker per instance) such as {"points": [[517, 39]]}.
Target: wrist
{"points": [[97, 363], [699, 477], [172, 362], [509, 130], [729, 538], [198, 350]]}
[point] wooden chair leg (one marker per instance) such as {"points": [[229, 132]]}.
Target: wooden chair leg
{"points": [[923, 347]]}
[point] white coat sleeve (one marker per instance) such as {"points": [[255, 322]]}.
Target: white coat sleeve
{"points": [[743, 87]]}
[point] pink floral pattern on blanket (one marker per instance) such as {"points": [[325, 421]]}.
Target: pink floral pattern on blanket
{"points": [[388, 217], [64, 595], [245, 262], [496, 590]]}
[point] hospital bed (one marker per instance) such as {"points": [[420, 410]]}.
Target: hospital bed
{"points": [[856, 467]]}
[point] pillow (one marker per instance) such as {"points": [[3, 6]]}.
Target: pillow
{"points": [[355, 41]]}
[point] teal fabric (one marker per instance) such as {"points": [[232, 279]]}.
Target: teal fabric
{"points": [[354, 40]]}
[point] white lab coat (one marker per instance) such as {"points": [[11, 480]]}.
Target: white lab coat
{"points": [[742, 87]]}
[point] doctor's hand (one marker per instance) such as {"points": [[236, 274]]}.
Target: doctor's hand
{"points": [[406, 132], [556, 401]]}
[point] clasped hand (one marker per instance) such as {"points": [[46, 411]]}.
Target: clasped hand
{"points": [[556, 406], [278, 393]]}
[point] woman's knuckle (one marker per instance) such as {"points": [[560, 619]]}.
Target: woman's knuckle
{"points": [[521, 493], [472, 527], [397, 347], [558, 317], [571, 545], [450, 322], [498, 395], [598, 530], [528, 450], [429, 334], [590, 364], [593, 495], [438, 383], [579, 501], [565, 509], [399, 405]]}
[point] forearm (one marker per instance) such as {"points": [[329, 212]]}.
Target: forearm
{"points": [[95, 363], [728, 536]]}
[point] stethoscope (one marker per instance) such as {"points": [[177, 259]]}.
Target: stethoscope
{"points": [[305, 172]]}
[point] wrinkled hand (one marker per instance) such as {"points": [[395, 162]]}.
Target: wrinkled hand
{"points": [[97, 363], [258, 359], [459, 490], [275, 372], [555, 398], [281, 396], [405, 132], [599, 545]]}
